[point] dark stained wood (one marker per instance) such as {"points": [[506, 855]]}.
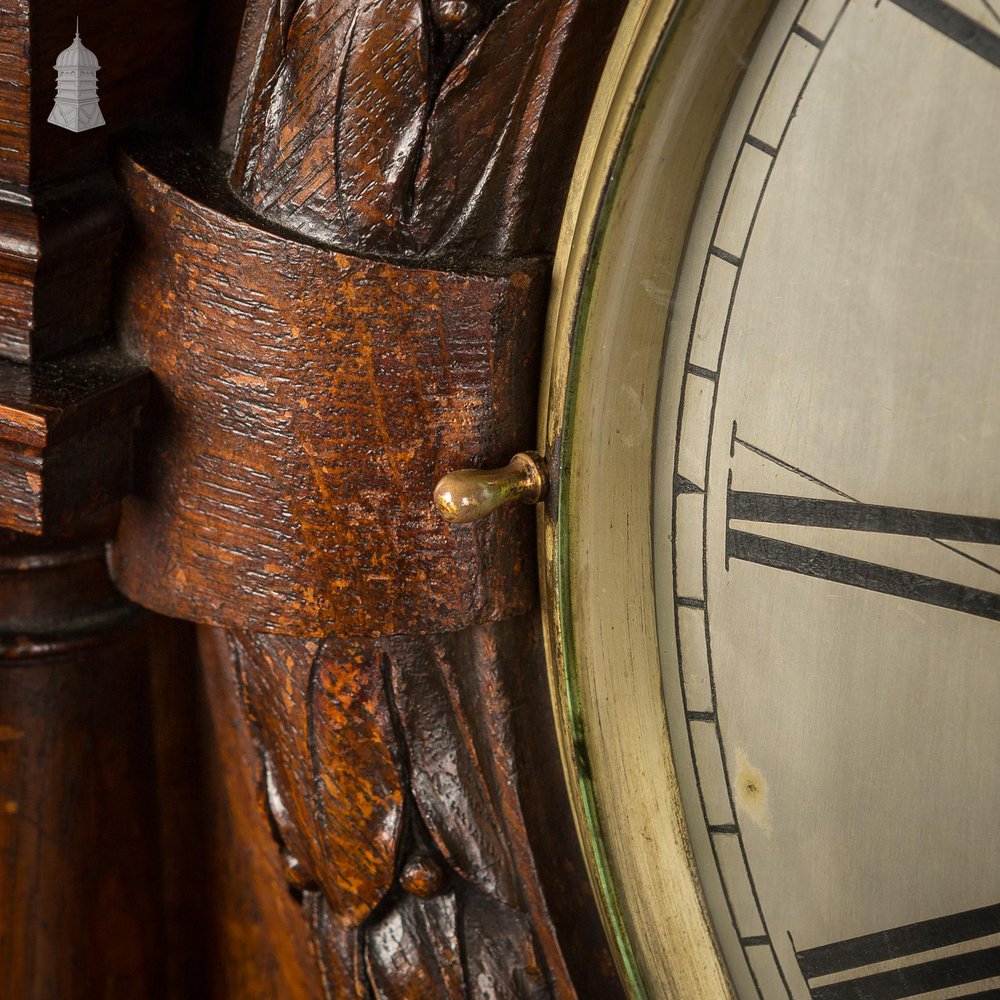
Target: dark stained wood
{"points": [[52, 588], [392, 783], [56, 249], [453, 698], [60, 217], [220, 50], [79, 882], [307, 403], [80, 900], [234, 929], [66, 430], [364, 798], [15, 92], [415, 950], [334, 791], [47, 404], [256, 933], [184, 752], [427, 129], [444, 132]]}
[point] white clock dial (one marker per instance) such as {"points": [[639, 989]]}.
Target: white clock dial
{"points": [[826, 537]]}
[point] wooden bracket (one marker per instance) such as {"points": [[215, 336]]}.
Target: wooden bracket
{"points": [[308, 401]]}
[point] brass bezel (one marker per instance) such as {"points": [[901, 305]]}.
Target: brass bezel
{"points": [[682, 59]]}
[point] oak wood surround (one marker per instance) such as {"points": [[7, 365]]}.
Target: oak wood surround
{"points": [[300, 274]]}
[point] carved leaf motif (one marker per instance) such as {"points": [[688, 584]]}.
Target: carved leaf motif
{"points": [[259, 934], [435, 128], [321, 712], [414, 951], [475, 174], [500, 953], [460, 945], [371, 124], [259, 56], [453, 700], [333, 127], [457, 744], [340, 951]]}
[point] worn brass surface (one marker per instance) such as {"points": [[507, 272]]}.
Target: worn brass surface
{"points": [[471, 494], [597, 422]]}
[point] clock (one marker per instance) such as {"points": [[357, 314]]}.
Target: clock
{"points": [[771, 416]]}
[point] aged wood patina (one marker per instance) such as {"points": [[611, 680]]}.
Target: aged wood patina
{"points": [[325, 232]]}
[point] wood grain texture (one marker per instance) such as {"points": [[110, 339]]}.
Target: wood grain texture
{"points": [[321, 713], [79, 884], [445, 132], [15, 91], [389, 775], [428, 129], [453, 696], [80, 878], [257, 941], [307, 403], [66, 432]]}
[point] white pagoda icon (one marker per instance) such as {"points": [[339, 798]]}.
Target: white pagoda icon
{"points": [[76, 106]]}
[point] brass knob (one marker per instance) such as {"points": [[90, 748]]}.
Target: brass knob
{"points": [[469, 494]]}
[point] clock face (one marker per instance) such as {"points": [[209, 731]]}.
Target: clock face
{"points": [[826, 513]]}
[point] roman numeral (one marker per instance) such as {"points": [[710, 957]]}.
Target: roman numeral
{"points": [[768, 507], [778, 554], [907, 979], [955, 25]]}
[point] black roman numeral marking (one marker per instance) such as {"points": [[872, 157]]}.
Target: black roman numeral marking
{"points": [[767, 507], [956, 26], [775, 509], [899, 944]]}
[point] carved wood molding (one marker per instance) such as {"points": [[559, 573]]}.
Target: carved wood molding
{"points": [[80, 891], [413, 789], [392, 781], [55, 266], [432, 128], [66, 430]]}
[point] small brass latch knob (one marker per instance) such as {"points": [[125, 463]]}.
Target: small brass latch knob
{"points": [[469, 494]]}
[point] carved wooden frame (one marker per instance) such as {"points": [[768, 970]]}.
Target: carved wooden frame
{"points": [[398, 739]]}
